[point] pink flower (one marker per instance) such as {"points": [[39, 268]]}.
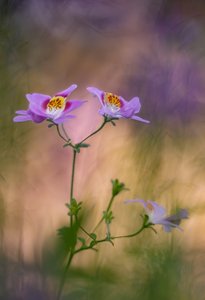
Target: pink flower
{"points": [[157, 215], [42, 107], [115, 106]]}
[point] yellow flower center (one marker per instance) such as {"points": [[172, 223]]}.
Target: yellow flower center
{"points": [[56, 103], [112, 100]]}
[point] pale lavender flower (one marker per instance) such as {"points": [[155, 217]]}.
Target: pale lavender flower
{"points": [[42, 107], [115, 106], [157, 215]]}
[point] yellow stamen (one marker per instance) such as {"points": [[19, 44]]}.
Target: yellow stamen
{"points": [[56, 103], [150, 206], [112, 100]]}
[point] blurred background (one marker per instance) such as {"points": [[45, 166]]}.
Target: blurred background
{"points": [[151, 49]]}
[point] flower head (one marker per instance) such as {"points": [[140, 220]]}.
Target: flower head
{"points": [[157, 215], [42, 107], [115, 106]]}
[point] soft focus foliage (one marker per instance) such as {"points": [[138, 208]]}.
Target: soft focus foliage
{"points": [[153, 49]]}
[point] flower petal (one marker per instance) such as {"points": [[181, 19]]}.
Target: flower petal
{"points": [[67, 91], [131, 107], [63, 119], [27, 115], [37, 103], [176, 218], [134, 103], [143, 202], [104, 110], [73, 104], [22, 118], [36, 118], [37, 98], [22, 112], [168, 226], [96, 92], [140, 119], [158, 210]]}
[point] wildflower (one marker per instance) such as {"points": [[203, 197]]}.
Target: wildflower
{"points": [[157, 215], [115, 106], [42, 107]]}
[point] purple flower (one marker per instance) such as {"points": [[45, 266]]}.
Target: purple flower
{"points": [[116, 106], [157, 215], [42, 107]]}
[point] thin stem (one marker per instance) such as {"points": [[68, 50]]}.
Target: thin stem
{"points": [[108, 208], [94, 132], [121, 236], [65, 133], [67, 139], [72, 181], [62, 283], [129, 235], [108, 231], [59, 133], [110, 203], [84, 230], [73, 174], [106, 239]]}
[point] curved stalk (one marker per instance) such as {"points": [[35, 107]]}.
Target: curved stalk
{"points": [[107, 209], [94, 132], [106, 239]]}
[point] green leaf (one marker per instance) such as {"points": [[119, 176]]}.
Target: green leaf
{"points": [[92, 243], [82, 240], [77, 149], [93, 236], [83, 145], [68, 236]]}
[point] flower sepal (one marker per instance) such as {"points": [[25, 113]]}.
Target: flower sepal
{"points": [[67, 144], [146, 221], [81, 145], [74, 207], [117, 187], [108, 216], [51, 125]]}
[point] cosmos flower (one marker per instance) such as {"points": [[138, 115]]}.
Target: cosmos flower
{"points": [[114, 106], [157, 215], [42, 107]]}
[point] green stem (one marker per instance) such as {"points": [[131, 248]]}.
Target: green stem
{"points": [[59, 133], [96, 131], [108, 231], [84, 230], [72, 182], [65, 133], [62, 283], [122, 236], [106, 239], [108, 208], [129, 235], [110, 203], [65, 139]]}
